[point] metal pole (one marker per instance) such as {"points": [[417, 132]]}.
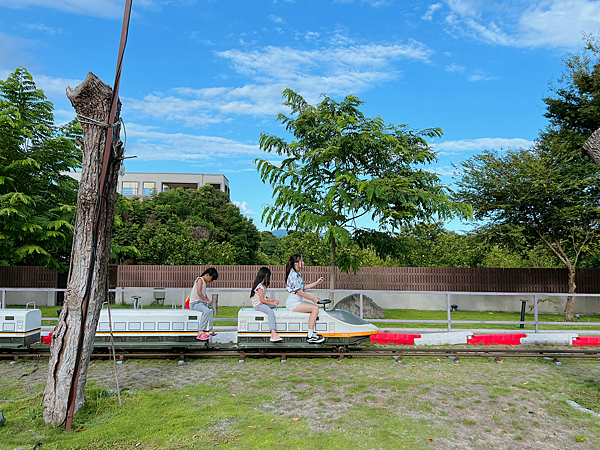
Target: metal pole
{"points": [[448, 311], [535, 313], [523, 303], [361, 305]]}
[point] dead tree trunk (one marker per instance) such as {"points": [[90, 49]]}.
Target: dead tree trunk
{"points": [[92, 102], [592, 147]]}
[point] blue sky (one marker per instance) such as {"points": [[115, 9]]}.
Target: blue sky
{"points": [[203, 78]]}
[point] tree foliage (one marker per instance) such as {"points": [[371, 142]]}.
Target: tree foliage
{"points": [[550, 194], [180, 227], [343, 166], [37, 202]]}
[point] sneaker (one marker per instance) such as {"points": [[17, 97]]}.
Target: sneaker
{"points": [[203, 337], [315, 339], [276, 339]]}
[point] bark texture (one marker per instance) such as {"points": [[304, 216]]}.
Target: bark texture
{"points": [[592, 147], [91, 99]]}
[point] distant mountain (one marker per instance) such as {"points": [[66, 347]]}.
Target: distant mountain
{"points": [[280, 233]]}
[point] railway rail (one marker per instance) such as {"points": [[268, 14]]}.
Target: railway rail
{"points": [[341, 352]]}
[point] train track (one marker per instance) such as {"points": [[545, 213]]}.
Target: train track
{"points": [[394, 352]]}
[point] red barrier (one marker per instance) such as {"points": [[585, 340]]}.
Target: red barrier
{"points": [[496, 339], [395, 338], [583, 341], [47, 339]]}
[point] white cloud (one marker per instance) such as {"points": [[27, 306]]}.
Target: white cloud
{"points": [[54, 86], [110, 9], [337, 70], [44, 28], [275, 18], [454, 68], [373, 3], [445, 171], [244, 208], [428, 16], [470, 145], [522, 23], [480, 75], [148, 144]]}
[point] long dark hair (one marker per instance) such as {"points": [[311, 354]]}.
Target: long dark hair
{"points": [[290, 264], [263, 272], [212, 272]]}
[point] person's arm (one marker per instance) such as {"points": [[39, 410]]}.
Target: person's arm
{"points": [[200, 293], [303, 294], [312, 285], [266, 300]]}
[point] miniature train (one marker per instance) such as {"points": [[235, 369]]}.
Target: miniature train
{"points": [[20, 327], [177, 328]]}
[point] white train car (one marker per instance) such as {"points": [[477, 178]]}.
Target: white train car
{"points": [[20, 327], [339, 327], [149, 328]]}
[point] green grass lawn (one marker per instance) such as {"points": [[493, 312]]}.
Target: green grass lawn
{"points": [[312, 403], [410, 314]]}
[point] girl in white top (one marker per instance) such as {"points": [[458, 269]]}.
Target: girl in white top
{"points": [[262, 303], [199, 301], [295, 286]]}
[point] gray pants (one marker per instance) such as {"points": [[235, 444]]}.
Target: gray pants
{"points": [[208, 314], [268, 310]]}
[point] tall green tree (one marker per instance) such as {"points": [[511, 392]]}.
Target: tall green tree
{"points": [[550, 193], [343, 166], [180, 227], [37, 202]]}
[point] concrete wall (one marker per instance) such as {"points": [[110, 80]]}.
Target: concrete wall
{"points": [[428, 302], [40, 298]]}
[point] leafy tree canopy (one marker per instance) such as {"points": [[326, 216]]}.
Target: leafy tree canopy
{"points": [[343, 166], [37, 202], [181, 227]]}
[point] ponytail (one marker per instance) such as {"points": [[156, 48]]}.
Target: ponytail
{"points": [[291, 263]]}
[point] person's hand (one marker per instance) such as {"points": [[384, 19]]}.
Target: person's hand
{"points": [[320, 280], [275, 302]]}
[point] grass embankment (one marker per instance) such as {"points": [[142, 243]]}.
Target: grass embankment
{"points": [[413, 314], [423, 403]]}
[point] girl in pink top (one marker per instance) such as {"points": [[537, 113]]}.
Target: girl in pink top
{"points": [[262, 303]]}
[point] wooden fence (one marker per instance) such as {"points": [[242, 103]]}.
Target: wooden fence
{"points": [[28, 277], [374, 278], [367, 278]]}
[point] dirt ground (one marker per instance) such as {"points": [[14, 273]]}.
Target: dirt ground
{"points": [[481, 404]]}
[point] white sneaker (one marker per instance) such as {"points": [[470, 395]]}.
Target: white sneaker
{"points": [[315, 339]]}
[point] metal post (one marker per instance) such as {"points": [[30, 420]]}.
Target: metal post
{"points": [[535, 313], [361, 305], [448, 311], [523, 304]]}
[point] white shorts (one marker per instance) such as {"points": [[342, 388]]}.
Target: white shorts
{"points": [[292, 301]]}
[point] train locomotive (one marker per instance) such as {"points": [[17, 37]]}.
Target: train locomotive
{"points": [[178, 328], [20, 327]]}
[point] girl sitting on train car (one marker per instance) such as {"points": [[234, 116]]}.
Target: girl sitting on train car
{"points": [[262, 303], [295, 286], [199, 301]]}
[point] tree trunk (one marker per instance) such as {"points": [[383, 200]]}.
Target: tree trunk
{"points": [[92, 101], [570, 299], [592, 147], [332, 270]]}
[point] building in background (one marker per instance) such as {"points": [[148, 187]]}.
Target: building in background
{"points": [[144, 184]]}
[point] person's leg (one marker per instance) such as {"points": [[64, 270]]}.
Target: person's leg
{"points": [[204, 319], [211, 317], [313, 310], [268, 310]]}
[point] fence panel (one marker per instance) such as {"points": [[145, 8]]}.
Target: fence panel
{"points": [[374, 278], [28, 277]]}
